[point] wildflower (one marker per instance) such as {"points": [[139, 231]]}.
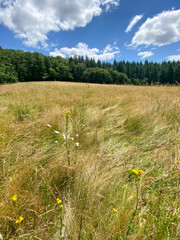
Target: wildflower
{"points": [[70, 117], [116, 211], [77, 144], [14, 198], [77, 135], [72, 139], [57, 132], [141, 171], [68, 111], [137, 171], [98, 154], [20, 220], [117, 97], [64, 136], [172, 209], [48, 125], [59, 201], [56, 141]]}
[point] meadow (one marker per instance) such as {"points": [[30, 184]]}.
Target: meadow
{"points": [[88, 161]]}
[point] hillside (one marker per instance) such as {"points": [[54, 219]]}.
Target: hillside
{"points": [[85, 161]]}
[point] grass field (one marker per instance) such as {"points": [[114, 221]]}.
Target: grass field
{"points": [[82, 161]]}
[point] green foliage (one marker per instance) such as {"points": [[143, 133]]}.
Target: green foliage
{"points": [[96, 75], [21, 112], [16, 65], [144, 81], [7, 74], [119, 77], [53, 75], [63, 72]]}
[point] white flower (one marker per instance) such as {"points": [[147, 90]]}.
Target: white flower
{"points": [[1, 237], [72, 139], [77, 135], [77, 144], [64, 137], [56, 141], [57, 132], [48, 125], [83, 125]]}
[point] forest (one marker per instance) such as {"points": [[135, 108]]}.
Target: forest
{"points": [[20, 66]]}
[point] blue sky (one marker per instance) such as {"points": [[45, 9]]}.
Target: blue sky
{"points": [[102, 29]]}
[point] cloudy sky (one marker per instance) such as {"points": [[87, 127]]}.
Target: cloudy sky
{"points": [[102, 29]]}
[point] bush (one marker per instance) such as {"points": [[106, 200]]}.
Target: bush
{"points": [[97, 75], [119, 78]]}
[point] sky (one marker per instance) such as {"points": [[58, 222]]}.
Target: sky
{"points": [[125, 30]]}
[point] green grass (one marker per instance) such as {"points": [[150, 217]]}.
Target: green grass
{"points": [[118, 128]]}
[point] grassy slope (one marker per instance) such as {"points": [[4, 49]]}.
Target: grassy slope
{"points": [[119, 128]]}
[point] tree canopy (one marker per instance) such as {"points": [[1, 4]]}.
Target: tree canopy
{"points": [[19, 66]]}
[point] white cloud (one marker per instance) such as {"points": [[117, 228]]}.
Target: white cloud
{"points": [[109, 3], [82, 49], [133, 22], [32, 20], [174, 58], [145, 54], [160, 30]]}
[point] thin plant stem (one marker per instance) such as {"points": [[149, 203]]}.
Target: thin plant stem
{"points": [[81, 219], [134, 213], [67, 145]]}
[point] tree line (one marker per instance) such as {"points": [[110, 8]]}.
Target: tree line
{"points": [[19, 66]]}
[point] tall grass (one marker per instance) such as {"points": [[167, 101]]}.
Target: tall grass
{"points": [[71, 177]]}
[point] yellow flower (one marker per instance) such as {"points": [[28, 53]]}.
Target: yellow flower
{"points": [[70, 117], [117, 97], [14, 198], [59, 201], [141, 171], [68, 111], [135, 171], [116, 211], [20, 220]]}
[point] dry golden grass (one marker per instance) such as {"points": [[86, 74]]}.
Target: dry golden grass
{"points": [[119, 128]]}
